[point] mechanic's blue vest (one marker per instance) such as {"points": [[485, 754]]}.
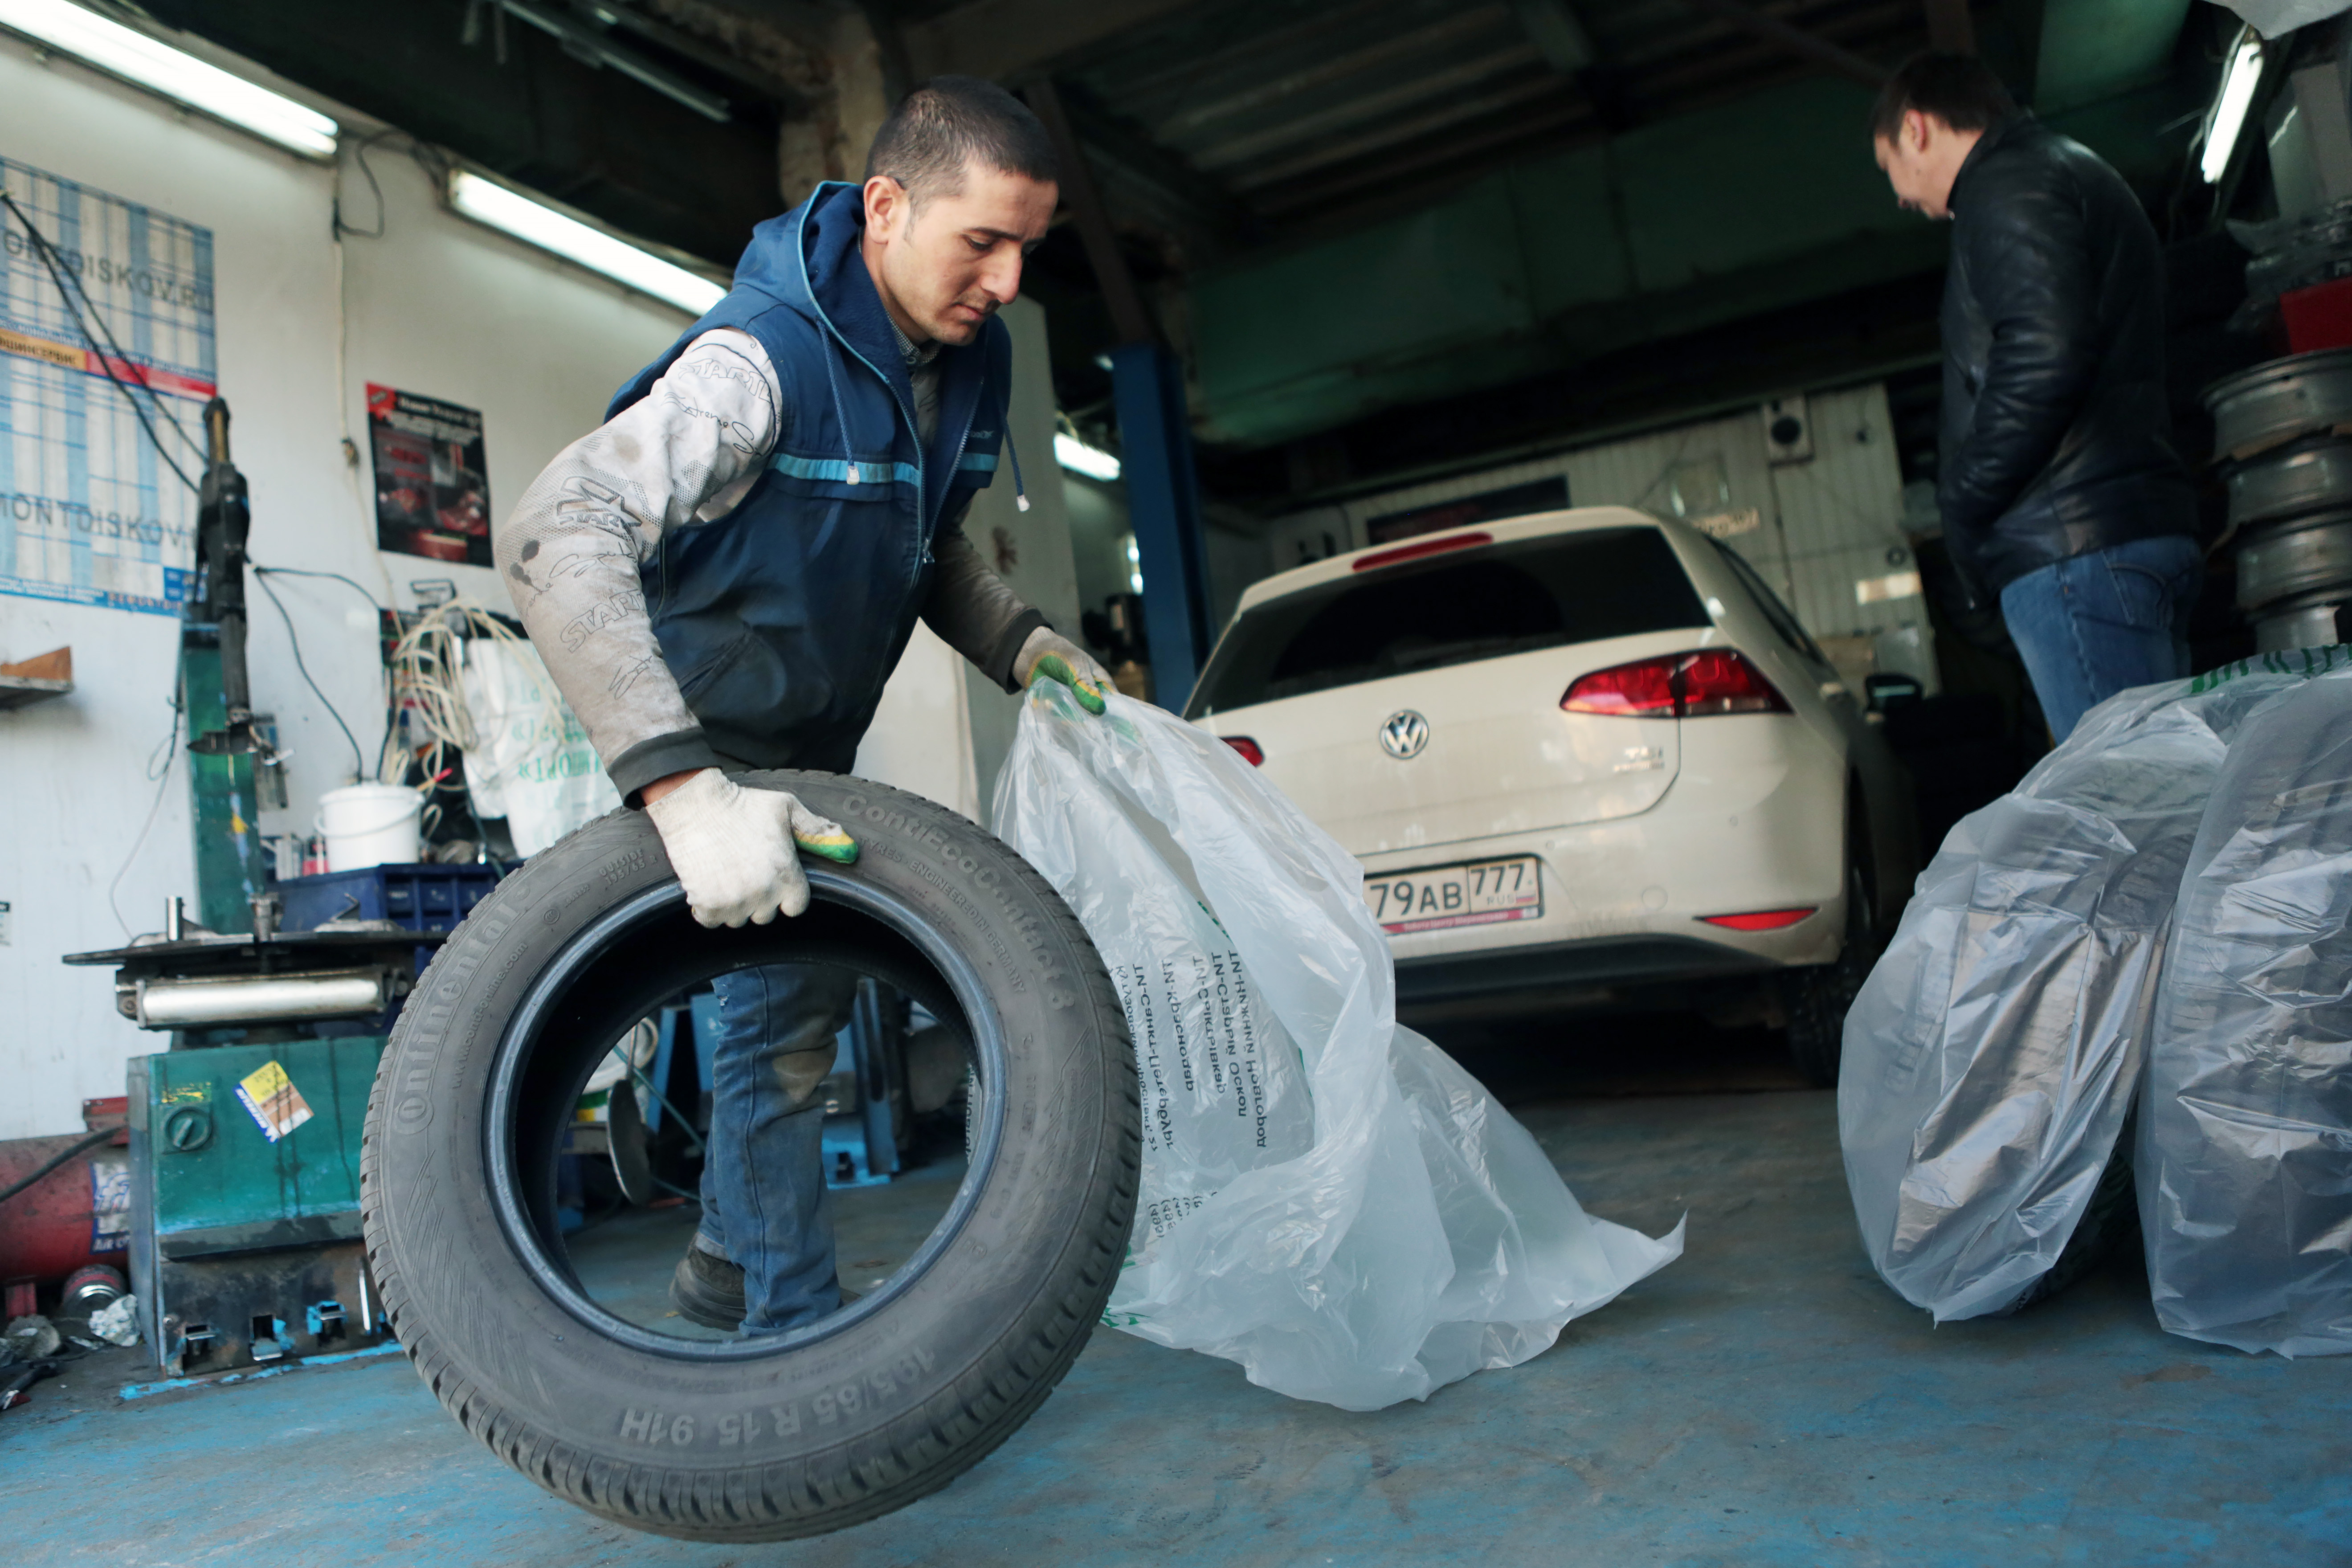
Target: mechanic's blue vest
{"points": [[783, 619]]}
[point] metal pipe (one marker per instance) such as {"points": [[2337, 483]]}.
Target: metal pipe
{"points": [[186, 1003], [590, 47]]}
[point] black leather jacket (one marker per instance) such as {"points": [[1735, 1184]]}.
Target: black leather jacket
{"points": [[2057, 439]]}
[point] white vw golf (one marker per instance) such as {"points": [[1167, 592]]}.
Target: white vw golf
{"points": [[1588, 760]]}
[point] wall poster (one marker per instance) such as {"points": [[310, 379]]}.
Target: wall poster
{"points": [[432, 487], [88, 511]]}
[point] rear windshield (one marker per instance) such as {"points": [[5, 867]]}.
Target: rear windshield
{"points": [[1451, 609]]}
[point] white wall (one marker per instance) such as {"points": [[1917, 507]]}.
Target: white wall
{"points": [[437, 305], [1824, 525]]}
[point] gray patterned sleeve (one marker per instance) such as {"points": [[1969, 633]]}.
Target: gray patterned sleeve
{"points": [[571, 549]]}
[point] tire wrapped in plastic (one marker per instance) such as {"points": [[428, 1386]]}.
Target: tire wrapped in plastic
{"points": [[1991, 1058], [2245, 1141], [1327, 1198]]}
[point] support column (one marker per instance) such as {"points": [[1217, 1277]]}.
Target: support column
{"points": [[1163, 504], [1155, 435]]}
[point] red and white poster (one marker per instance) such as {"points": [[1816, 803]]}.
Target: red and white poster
{"points": [[432, 487]]}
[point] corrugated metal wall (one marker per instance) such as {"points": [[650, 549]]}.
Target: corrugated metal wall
{"points": [[1826, 532]]}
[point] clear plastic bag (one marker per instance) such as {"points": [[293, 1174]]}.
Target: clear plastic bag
{"points": [[2245, 1144], [530, 761], [1327, 1198], [1991, 1056]]}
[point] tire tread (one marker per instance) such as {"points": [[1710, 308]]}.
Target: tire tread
{"points": [[790, 1499]]}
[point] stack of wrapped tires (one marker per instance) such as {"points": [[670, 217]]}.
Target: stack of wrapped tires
{"points": [[2131, 976]]}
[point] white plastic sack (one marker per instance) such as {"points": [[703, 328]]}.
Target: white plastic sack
{"points": [[2245, 1148], [1327, 1198], [1991, 1056], [533, 762]]}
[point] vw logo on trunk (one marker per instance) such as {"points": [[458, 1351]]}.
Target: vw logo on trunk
{"points": [[1405, 735]]}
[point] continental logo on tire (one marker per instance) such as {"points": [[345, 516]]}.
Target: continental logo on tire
{"points": [[1027, 927], [412, 1114]]}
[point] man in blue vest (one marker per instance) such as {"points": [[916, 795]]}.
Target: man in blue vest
{"points": [[723, 575]]}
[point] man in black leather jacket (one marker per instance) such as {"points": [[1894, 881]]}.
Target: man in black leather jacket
{"points": [[2059, 489]]}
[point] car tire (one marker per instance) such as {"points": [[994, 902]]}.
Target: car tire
{"points": [[1816, 998], [794, 1435], [2110, 1220]]}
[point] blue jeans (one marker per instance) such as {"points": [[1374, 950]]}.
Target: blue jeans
{"points": [[764, 1202], [2099, 624]]}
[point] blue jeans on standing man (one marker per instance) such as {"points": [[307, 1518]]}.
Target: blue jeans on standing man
{"points": [[2095, 625], [764, 1202]]}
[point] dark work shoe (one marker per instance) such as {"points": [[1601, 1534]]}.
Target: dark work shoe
{"points": [[708, 1290]]}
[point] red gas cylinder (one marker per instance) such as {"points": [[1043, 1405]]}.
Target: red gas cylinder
{"points": [[77, 1214]]}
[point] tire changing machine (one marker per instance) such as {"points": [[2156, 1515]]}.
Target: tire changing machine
{"points": [[244, 1135]]}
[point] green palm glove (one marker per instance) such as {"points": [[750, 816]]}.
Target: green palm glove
{"points": [[1049, 654]]}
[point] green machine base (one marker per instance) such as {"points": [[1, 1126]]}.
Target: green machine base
{"points": [[245, 1179]]}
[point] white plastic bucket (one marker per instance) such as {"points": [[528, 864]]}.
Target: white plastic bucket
{"points": [[369, 825]]}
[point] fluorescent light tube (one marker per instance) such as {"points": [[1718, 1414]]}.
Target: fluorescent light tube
{"points": [[2245, 69], [486, 201], [143, 61], [1080, 458]]}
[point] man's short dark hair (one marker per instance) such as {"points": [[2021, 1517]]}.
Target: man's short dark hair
{"points": [[1957, 89], [951, 120]]}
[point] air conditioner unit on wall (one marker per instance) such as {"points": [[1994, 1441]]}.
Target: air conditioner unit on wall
{"points": [[1787, 430]]}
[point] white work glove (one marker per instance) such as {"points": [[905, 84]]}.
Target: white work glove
{"points": [[1045, 652], [732, 848]]}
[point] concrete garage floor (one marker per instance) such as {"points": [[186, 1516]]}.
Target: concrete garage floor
{"points": [[1765, 1401]]}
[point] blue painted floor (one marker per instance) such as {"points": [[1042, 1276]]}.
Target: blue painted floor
{"points": [[1765, 1401]]}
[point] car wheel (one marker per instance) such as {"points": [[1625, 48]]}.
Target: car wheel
{"points": [[2110, 1220], [792, 1435], [1816, 998]]}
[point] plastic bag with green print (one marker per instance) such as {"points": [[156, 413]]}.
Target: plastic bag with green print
{"points": [[1327, 1198]]}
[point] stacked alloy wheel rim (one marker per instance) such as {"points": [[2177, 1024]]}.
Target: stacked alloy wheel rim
{"points": [[2283, 432]]}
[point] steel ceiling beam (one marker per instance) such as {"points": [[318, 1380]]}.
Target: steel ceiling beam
{"points": [[591, 47], [1129, 317], [1539, 122], [1454, 78], [1793, 39], [1180, 74], [1152, 185], [998, 38], [1391, 132], [1554, 27], [1406, 46]]}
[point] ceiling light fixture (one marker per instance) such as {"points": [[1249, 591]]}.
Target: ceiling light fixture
{"points": [[535, 222], [146, 62], [1080, 458], [2237, 96]]}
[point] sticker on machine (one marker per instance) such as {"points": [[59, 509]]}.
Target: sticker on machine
{"points": [[273, 1100], [109, 1202]]}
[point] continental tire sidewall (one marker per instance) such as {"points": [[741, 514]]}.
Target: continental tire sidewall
{"points": [[821, 1434]]}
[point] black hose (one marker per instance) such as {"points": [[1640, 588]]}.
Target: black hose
{"points": [[82, 1146]]}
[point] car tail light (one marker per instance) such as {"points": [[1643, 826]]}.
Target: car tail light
{"points": [[1760, 920], [1420, 548], [1721, 681], [1251, 751], [1646, 689], [1678, 685]]}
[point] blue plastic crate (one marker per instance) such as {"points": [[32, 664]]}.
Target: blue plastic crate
{"points": [[418, 896]]}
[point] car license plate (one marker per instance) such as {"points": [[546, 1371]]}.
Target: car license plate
{"points": [[1480, 892]]}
